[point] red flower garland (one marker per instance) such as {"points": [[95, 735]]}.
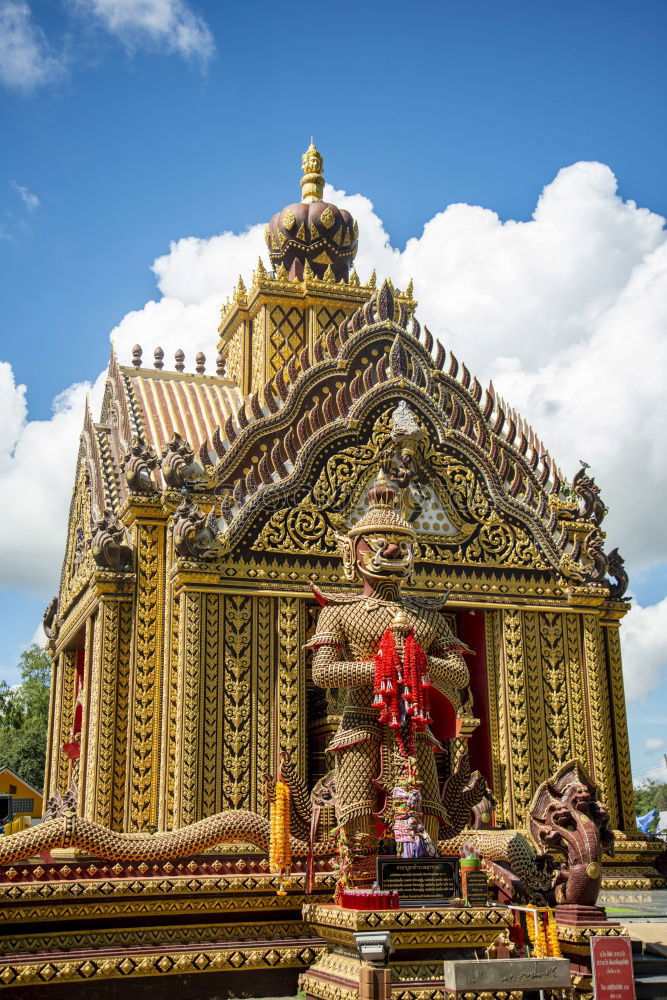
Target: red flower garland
{"points": [[407, 682]]}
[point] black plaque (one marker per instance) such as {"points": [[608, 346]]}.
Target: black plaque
{"points": [[420, 881], [477, 888]]}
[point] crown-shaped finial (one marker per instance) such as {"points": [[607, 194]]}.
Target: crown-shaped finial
{"points": [[382, 492], [312, 182]]}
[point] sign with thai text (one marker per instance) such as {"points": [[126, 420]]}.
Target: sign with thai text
{"points": [[476, 888], [613, 974], [419, 880]]}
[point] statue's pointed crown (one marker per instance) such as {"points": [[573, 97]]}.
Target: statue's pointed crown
{"points": [[382, 514]]}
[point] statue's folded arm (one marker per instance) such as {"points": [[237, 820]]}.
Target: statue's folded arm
{"points": [[331, 672]]}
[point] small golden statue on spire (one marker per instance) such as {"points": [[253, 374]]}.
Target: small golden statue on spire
{"points": [[312, 182]]}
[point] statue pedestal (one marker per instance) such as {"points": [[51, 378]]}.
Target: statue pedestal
{"points": [[576, 926], [420, 940]]}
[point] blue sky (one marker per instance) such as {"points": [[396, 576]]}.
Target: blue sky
{"points": [[131, 135]]}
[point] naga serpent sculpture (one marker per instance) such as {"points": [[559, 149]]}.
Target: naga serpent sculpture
{"points": [[69, 830], [565, 814]]}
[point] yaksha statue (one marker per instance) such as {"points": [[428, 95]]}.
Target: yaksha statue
{"points": [[387, 650]]}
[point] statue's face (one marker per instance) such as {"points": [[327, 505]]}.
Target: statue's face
{"points": [[385, 554]]}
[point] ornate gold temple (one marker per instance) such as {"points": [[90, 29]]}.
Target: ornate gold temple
{"points": [[204, 507]]}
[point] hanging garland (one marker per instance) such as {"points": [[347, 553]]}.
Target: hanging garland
{"points": [[401, 688], [280, 848]]}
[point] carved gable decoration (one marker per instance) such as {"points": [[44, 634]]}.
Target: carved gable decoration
{"points": [[448, 503], [294, 462], [78, 564]]}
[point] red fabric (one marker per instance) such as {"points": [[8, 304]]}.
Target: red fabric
{"points": [[470, 627]]}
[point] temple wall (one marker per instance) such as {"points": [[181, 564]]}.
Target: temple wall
{"points": [[555, 691], [193, 683]]}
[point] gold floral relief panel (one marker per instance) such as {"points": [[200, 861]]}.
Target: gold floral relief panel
{"points": [[291, 680], [211, 706], [237, 686], [143, 783], [187, 773], [554, 693], [625, 789], [234, 355], [263, 681], [497, 727], [576, 689], [519, 787], [604, 773], [258, 352], [68, 661]]}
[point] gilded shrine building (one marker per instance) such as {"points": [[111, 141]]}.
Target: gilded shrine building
{"points": [[208, 523]]}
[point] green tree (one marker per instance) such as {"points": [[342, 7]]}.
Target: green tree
{"points": [[24, 716], [651, 794]]}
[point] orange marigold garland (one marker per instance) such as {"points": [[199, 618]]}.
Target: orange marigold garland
{"points": [[539, 937], [280, 848], [553, 943]]}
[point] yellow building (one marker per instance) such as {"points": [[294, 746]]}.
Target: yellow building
{"points": [[27, 802]]}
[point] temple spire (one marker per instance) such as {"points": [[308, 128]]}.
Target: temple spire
{"points": [[312, 182]]}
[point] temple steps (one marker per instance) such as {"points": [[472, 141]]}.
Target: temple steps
{"points": [[650, 968]]}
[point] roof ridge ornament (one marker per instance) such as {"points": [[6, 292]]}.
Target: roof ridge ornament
{"points": [[312, 182]]}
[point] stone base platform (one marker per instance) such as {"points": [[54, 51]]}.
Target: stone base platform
{"points": [[638, 863], [576, 926], [69, 931], [421, 937]]}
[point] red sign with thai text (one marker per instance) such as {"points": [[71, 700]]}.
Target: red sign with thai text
{"points": [[613, 975]]}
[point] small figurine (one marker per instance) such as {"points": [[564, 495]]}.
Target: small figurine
{"points": [[501, 947]]}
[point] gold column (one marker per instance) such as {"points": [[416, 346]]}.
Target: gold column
{"points": [[599, 712], [264, 653], [237, 736], [554, 686], [579, 734], [514, 725], [626, 799], [210, 707], [187, 765], [147, 521], [53, 731], [106, 739], [536, 699], [66, 721], [90, 668], [291, 680], [170, 709]]}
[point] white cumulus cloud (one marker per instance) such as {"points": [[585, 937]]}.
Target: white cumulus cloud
{"points": [[27, 60], [37, 460], [30, 200], [644, 644], [170, 25], [653, 745]]}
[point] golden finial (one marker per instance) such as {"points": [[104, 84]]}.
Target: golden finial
{"points": [[240, 293], [312, 182]]}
